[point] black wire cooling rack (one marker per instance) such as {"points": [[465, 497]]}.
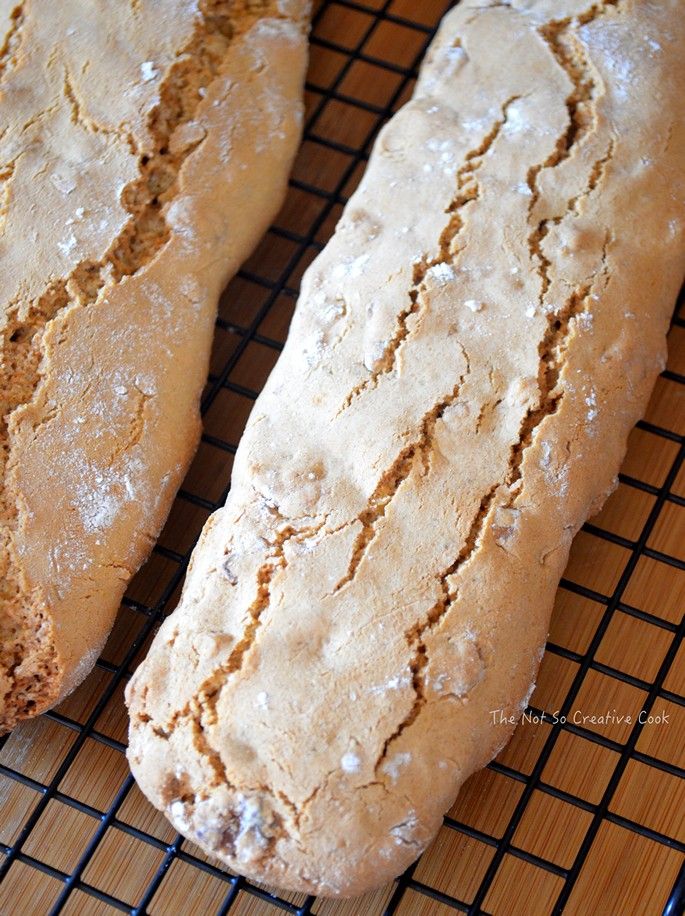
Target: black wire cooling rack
{"points": [[384, 42]]}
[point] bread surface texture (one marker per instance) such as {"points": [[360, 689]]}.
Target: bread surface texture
{"points": [[466, 359], [145, 148]]}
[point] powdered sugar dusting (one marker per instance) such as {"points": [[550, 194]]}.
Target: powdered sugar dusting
{"points": [[148, 71], [397, 682], [608, 44], [393, 766], [556, 474], [68, 244], [591, 401], [442, 273], [97, 509], [65, 184], [350, 763], [351, 268]]}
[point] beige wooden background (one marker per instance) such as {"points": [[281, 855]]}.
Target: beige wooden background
{"points": [[625, 872]]}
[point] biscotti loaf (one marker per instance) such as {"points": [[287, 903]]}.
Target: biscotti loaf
{"points": [[466, 360], [145, 148]]}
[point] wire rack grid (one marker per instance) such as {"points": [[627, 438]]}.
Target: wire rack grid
{"points": [[572, 816]]}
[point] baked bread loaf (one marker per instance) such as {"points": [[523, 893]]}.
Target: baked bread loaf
{"points": [[145, 148], [466, 360]]}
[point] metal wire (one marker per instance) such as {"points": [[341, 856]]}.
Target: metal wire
{"points": [[285, 285]]}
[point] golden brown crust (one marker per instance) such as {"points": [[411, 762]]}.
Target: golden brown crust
{"points": [[466, 360], [135, 214]]}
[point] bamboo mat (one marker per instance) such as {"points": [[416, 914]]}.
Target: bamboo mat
{"points": [[586, 816]]}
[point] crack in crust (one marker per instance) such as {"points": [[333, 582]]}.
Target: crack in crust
{"points": [[81, 119], [136, 427], [468, 191], [209, 693], [6, 176], [569, 54], [24, 632], [13, 38], [202, 709], [552, 352], [390, 482], [552, 349]]}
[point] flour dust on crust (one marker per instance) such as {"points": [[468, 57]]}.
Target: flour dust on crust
{"points": [[105, 174]]}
